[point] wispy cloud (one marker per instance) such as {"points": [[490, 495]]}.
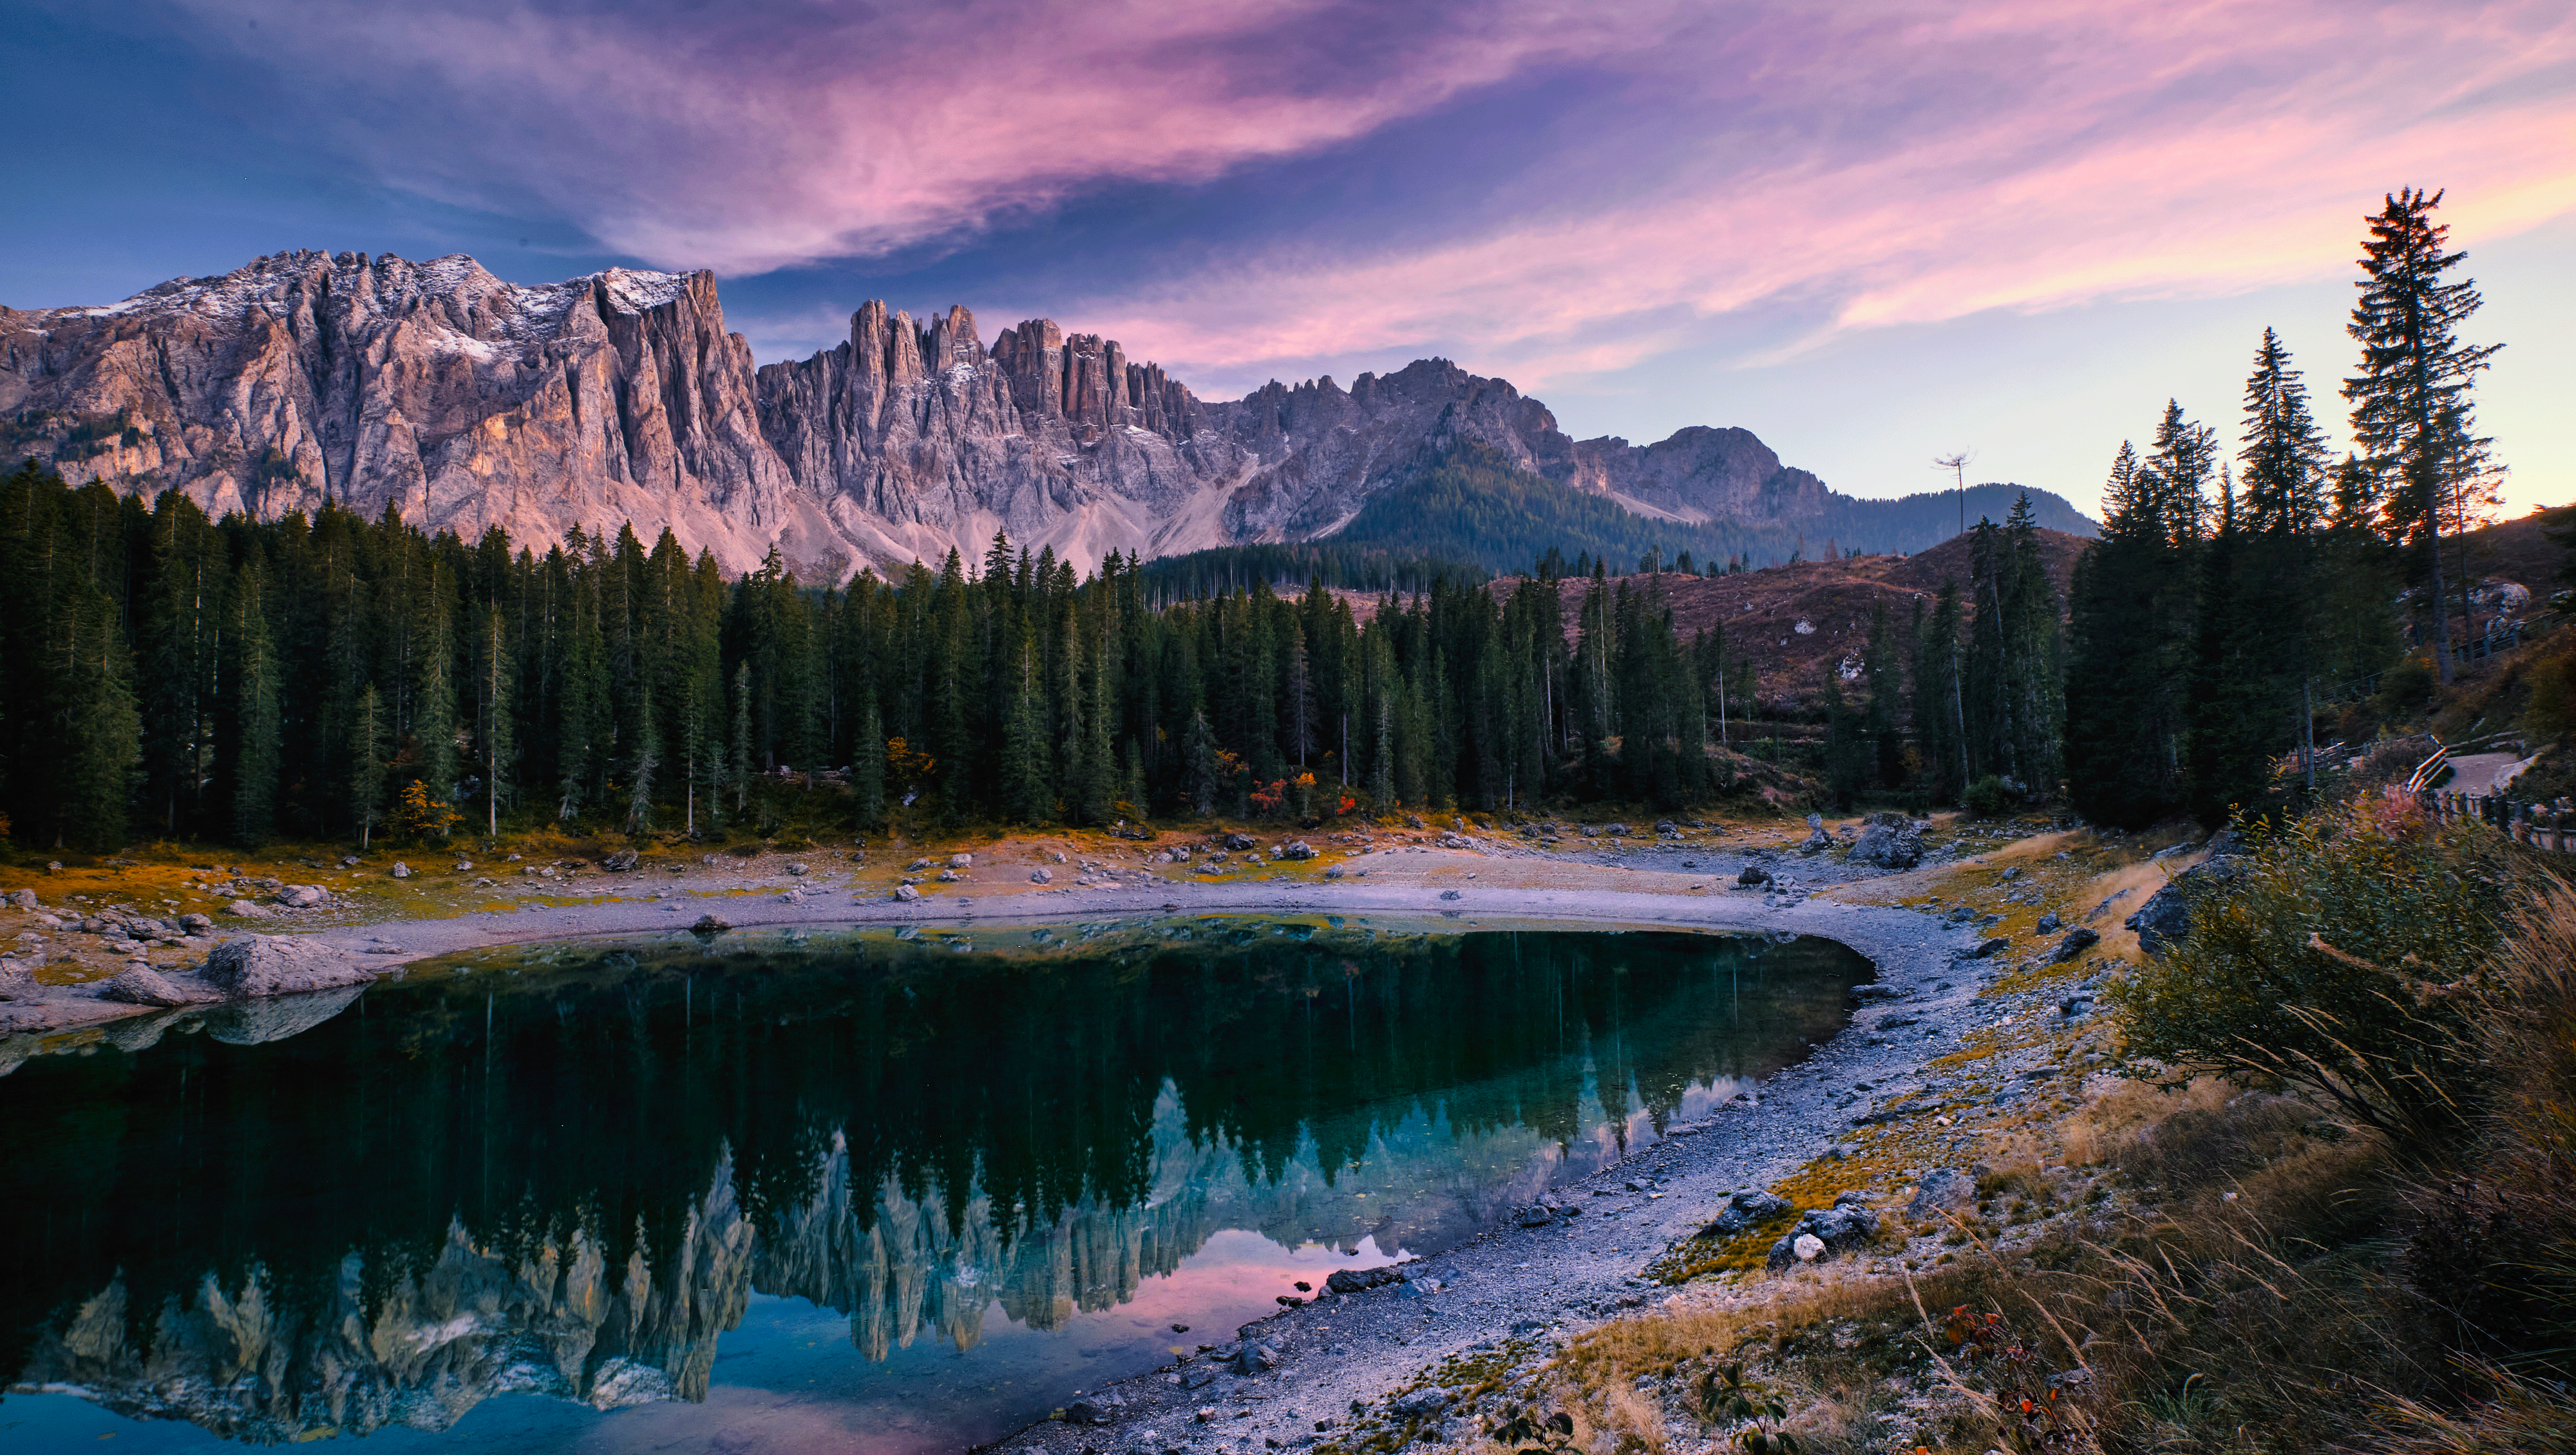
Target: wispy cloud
{"points": [[1876, 162]]}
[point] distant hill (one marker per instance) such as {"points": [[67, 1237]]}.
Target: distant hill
{"points": [[1469, 503], [1760, 612]]}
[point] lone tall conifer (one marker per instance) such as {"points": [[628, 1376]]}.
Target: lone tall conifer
{"points": [[2411, 407]]}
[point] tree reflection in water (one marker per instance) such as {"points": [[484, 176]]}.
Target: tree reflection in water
{"points": [[567, 1171]]}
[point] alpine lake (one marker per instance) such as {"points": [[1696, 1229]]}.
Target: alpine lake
{"points": [[876, 1190]]}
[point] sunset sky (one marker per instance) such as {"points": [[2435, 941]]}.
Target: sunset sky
{"points": [[1869, 232]]}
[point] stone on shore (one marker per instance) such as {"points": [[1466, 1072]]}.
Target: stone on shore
{"points": [[258, 965], [142, 985]]}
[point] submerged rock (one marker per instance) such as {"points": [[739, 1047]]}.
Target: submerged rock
{"points": [[252, 1022]]}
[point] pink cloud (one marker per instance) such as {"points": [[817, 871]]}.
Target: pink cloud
{"points": [[783, 134], [2129, 150], [1868, 163]]}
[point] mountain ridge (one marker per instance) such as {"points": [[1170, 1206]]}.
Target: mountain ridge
{"points": [[466, 402]]}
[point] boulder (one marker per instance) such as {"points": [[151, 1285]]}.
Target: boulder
{"points": [[141, 985], [2049, 923], [247, 910], [303, 896], [1753, 874], [1042, 876], [401, 870], [1888, 841], [709, 925], [196, 924], [1255, 1358], [1817, 839], [1429, 1400], [257, 965], [906, 893], [950, 876], [1825, 1232], [799, 870], [17, 981], [961, 861], [1241, 842], [1745, 1210], [2166, 916], [1943, 1190], [621, 861], [23, 899], [1989, 947], [1356, 1280], [2077, 941], [1296, 849], [1098, 1409]]}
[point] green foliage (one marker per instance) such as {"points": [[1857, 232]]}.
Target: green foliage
{"points": [[2335, 957], [1989, 797], [1727, 1398]]}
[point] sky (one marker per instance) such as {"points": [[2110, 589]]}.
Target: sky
{"points": [[1870, 231]]}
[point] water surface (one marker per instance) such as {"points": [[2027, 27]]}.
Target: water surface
{"points": [[867, 1191]]}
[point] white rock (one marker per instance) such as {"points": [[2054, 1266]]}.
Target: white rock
{"points": [[255, 965]]}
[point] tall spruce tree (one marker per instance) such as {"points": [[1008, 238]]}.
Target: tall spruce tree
{"points": [[368, 740], [2127, 691], [256, 696], [2412, 409]]}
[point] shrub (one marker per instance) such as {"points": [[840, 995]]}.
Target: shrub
{"points": [[2406, 689], [2494, 1244], [1988, 797], [2339, 957]]}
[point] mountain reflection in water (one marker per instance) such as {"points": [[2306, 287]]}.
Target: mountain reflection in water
{"points": [[568, 1172]]}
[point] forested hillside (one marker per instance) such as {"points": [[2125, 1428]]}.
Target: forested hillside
{"points": [[1469, 503], [171, 675]]}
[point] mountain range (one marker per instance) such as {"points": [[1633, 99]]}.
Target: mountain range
{"points": [[466, 402]]}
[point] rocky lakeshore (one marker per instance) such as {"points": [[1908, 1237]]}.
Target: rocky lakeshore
{"points": [[1977, 1016]]}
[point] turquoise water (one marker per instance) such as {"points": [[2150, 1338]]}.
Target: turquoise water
{"points": [[849, 1191]]}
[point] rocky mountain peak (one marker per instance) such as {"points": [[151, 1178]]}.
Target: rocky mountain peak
{"points": [[466, 401]]}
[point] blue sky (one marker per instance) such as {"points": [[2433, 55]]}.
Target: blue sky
{"points": [[1870, 232]]}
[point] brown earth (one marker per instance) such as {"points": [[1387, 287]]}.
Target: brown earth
{"points": [[1797, 622]]}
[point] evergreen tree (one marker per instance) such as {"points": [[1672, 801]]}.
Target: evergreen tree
{"points": [[96, 719], [367, 764], [492, 720], [2411, 400], [255, 715], [646, 746], [2127, 699]]}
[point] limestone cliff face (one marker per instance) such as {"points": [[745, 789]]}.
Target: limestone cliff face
{"points": [[466, 402], [435, 388]]}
